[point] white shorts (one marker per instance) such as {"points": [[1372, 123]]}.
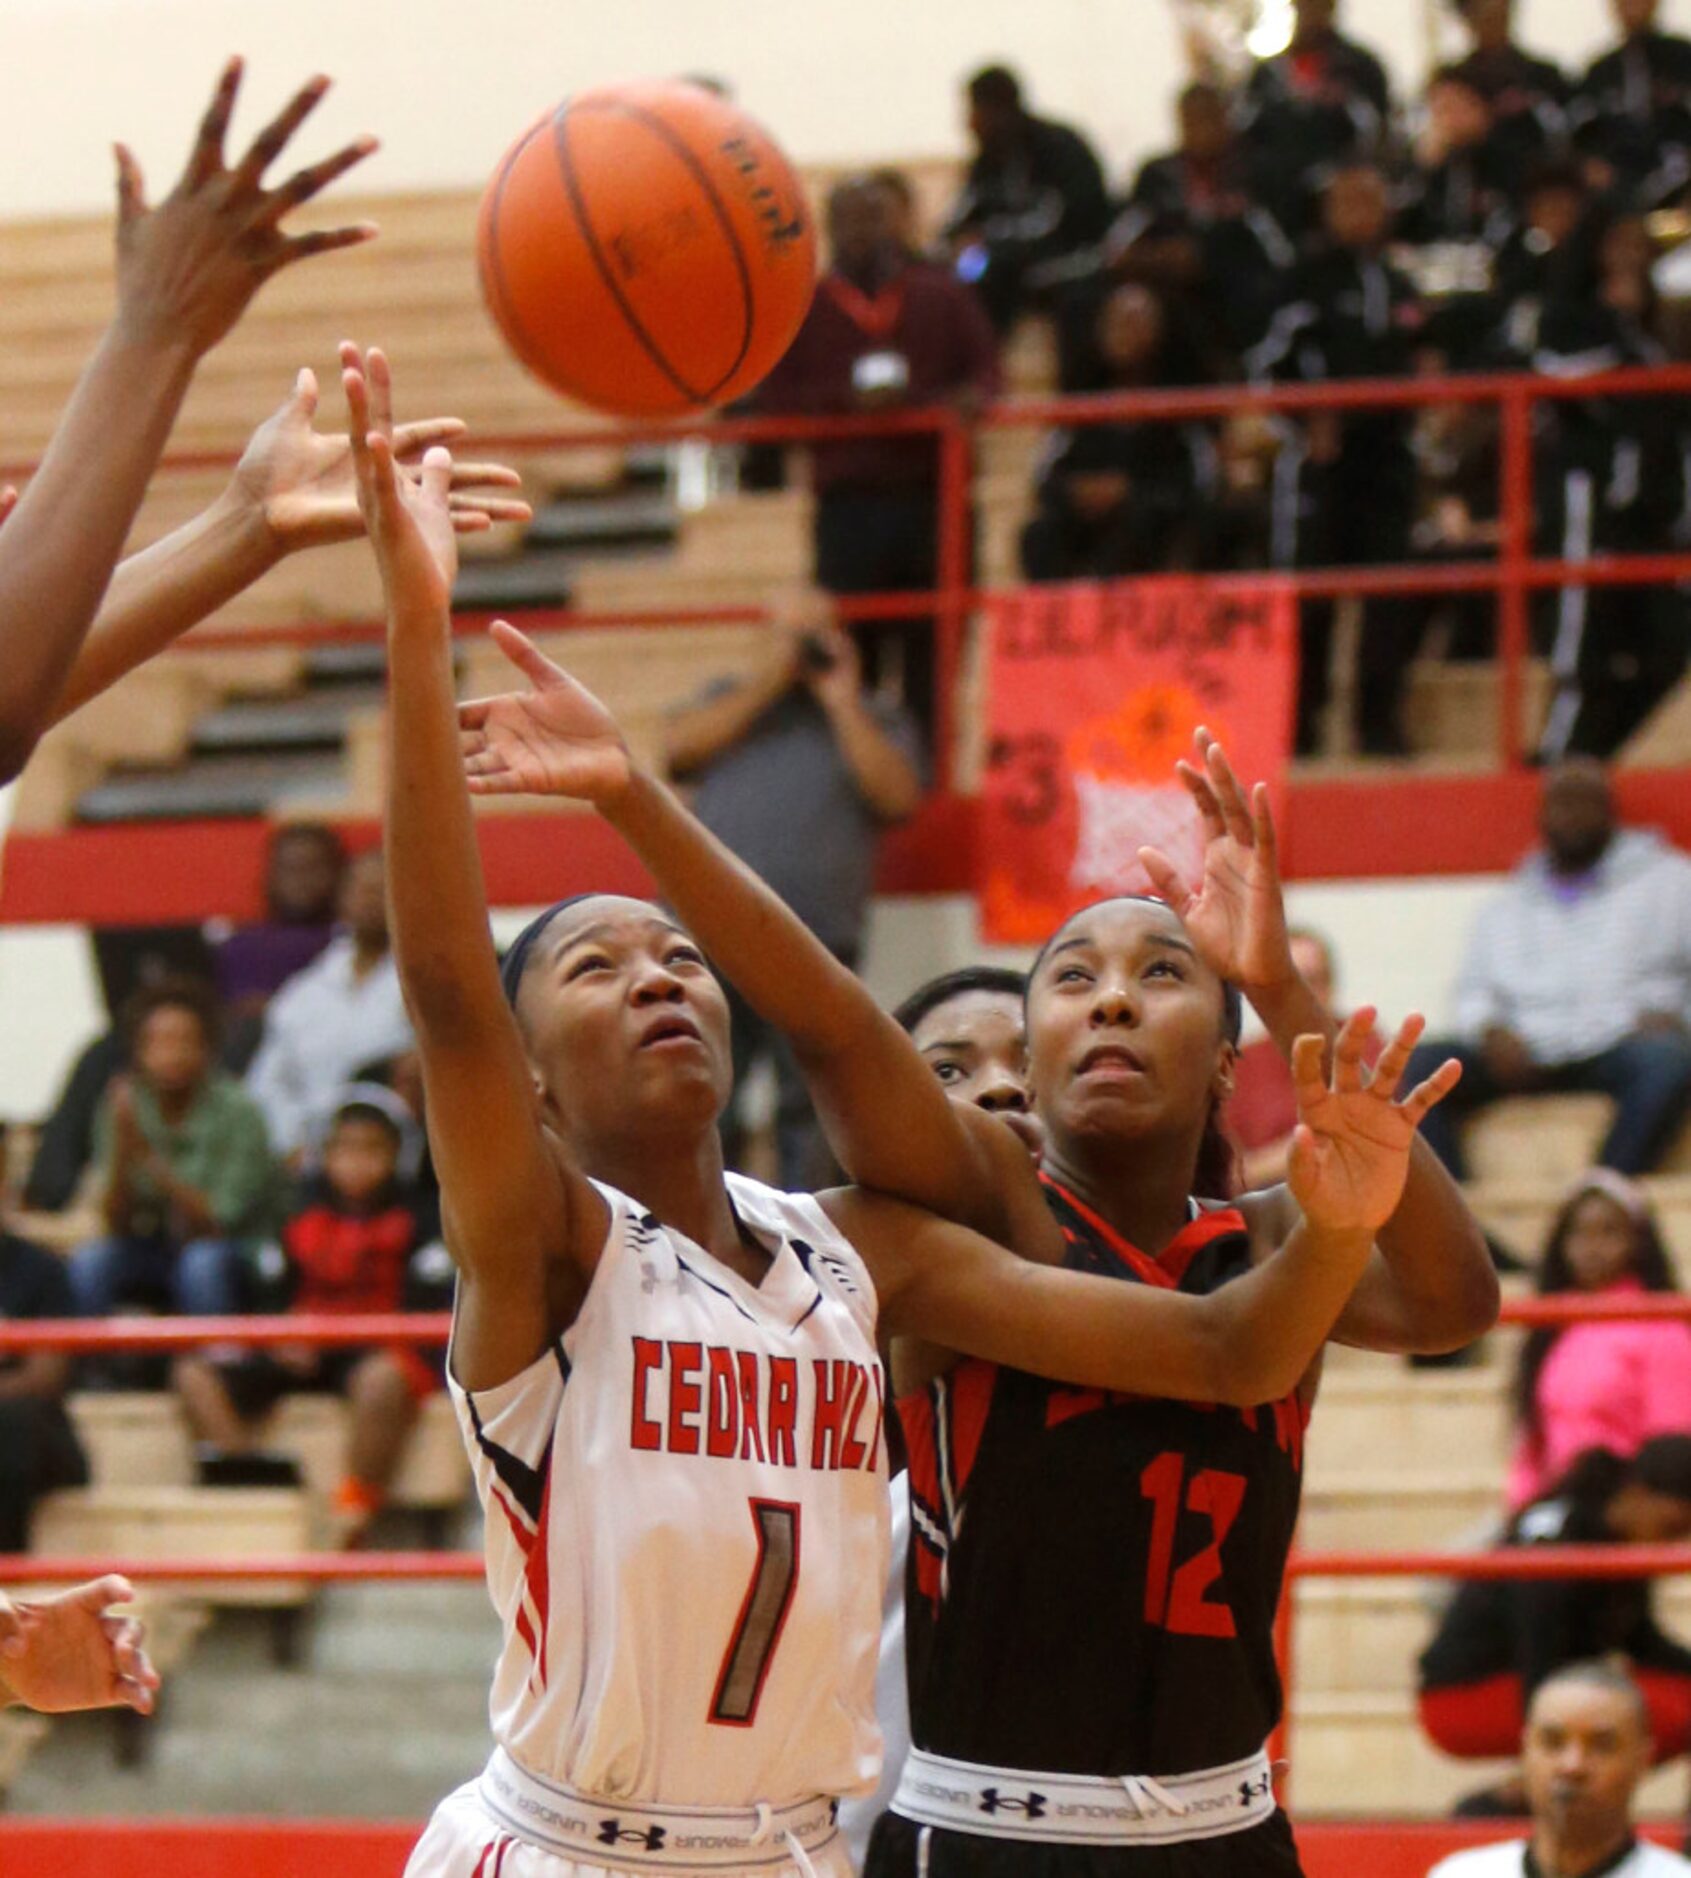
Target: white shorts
{"points": [[464, 1840]]}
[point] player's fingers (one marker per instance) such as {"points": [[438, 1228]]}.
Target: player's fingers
{"points": [[1165, 880], [8, 501], [1303, 1160], [484, 762], [273, 139], [206, 157], [357, 403], [1198, 788], [413, 439], [437, 471], [489, 475], [470, 521], [1394, 1058], [502, 782], [1432, 1091], [495, 508], [380, 374], [319, 241], [99, 1593], [1262, 828], [131, 190], [1348, 1049], [1309, 1084], [526, 656], [304, 399], [473, 714], [312, 180], [1231, 797]]}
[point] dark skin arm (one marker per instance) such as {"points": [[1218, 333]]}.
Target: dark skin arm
{"points": [[1430, 1286], [887, 1118], [186, 270], [524, 1226]]}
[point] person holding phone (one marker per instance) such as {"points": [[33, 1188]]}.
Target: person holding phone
{"points": [[798, 767]]}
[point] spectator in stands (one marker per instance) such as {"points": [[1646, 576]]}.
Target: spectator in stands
{"points": [[1555, 202], [1578, 976], [39, 1450], [1599, 1384], [798, 768], [1501, 1639], [1631, 112], [1262, 1110], [302, 880], [1585, 1748], [340, 1012], [1610, 478], [1528, 96], [1322, 103], [883, 332], [1119, 499], [1345, 487], [901, 206], [352, 1231], [1034, 197], [185, 1165], [1194, 230], [1467, 178]]}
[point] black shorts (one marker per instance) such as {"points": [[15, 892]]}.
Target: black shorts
{"points": [[1265, 1851], [257, 1382]]}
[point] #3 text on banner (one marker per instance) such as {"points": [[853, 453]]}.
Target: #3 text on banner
{"points": [[1095, 692]]}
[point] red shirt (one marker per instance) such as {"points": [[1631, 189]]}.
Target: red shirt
{"points": [[349, 1263]]}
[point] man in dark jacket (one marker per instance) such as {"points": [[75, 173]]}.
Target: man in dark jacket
{"points": [[1322, 102], [1034, 196], [1631, 112]]}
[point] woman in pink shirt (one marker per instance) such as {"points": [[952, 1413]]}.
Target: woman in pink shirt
{"points": [[1599, 1385]]}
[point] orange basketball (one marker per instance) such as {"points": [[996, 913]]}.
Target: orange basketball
{"points": [[647, 249]]}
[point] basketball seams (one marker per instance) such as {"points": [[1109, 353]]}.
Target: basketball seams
{"points": [[493, 269], [707, 188]]}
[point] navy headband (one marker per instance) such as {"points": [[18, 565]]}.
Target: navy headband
{"points": [[515, 961]]}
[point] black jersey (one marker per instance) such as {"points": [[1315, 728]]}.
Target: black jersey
{"points": [[1093, 1577]]}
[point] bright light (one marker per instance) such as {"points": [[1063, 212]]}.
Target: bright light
{"points": [[1272, 33]]}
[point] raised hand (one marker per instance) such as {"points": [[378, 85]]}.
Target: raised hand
{"points": [[8, 501], [68, 1652], [556, 740], [187, 268], [409, 523], [1237, 915], [299, 483], [1350, 1150]]}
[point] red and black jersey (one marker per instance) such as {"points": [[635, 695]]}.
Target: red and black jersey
{"points": [[1093, 1577]]}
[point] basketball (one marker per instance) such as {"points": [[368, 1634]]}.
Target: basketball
{"points": [[647, 249]]}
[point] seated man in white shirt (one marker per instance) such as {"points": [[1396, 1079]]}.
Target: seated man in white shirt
{"points": [[342, 1012], [1578, 976], [1585, 1748]]}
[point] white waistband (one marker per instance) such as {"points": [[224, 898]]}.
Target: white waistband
{"points": [[653, 1838], [1084, 1809]]}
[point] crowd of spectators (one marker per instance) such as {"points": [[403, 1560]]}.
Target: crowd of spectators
{"points": [[249, 1137], [1307, 225]]}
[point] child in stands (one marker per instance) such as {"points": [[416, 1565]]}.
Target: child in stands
{"points": [[348, 1243]]}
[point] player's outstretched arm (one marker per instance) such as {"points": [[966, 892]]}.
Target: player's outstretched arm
{"points": [[292, 490], [1431, 1285], [185, 272], [516, 1215], [1252, 1341], [887, 1117], [68, 1652]]}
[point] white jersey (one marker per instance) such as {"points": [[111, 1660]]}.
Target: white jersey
{"points": [[1508, 1859], [686, 1505]]}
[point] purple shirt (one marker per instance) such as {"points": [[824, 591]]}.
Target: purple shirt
{"points": [[256, 961]]}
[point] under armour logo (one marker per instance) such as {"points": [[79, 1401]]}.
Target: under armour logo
{"points": [[994, 1801], [1256, 1789], [614, 1832]]}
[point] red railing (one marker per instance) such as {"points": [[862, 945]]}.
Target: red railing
{"points": [[1513, 573], [434, 1328]]}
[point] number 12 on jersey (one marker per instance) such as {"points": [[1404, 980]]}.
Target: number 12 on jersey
{"points": [[1175, 1599], [763, 1615]]}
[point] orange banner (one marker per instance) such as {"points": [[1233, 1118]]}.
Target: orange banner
{"points": [[1095, 693]]}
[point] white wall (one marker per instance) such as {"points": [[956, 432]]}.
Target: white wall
{"points": [[448, 85]]}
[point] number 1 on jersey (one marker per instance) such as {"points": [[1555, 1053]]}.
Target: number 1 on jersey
{"points": [[769, 1597]]}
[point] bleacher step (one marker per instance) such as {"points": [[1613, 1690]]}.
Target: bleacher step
{"points": [[218, 787], [314, 721]]}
